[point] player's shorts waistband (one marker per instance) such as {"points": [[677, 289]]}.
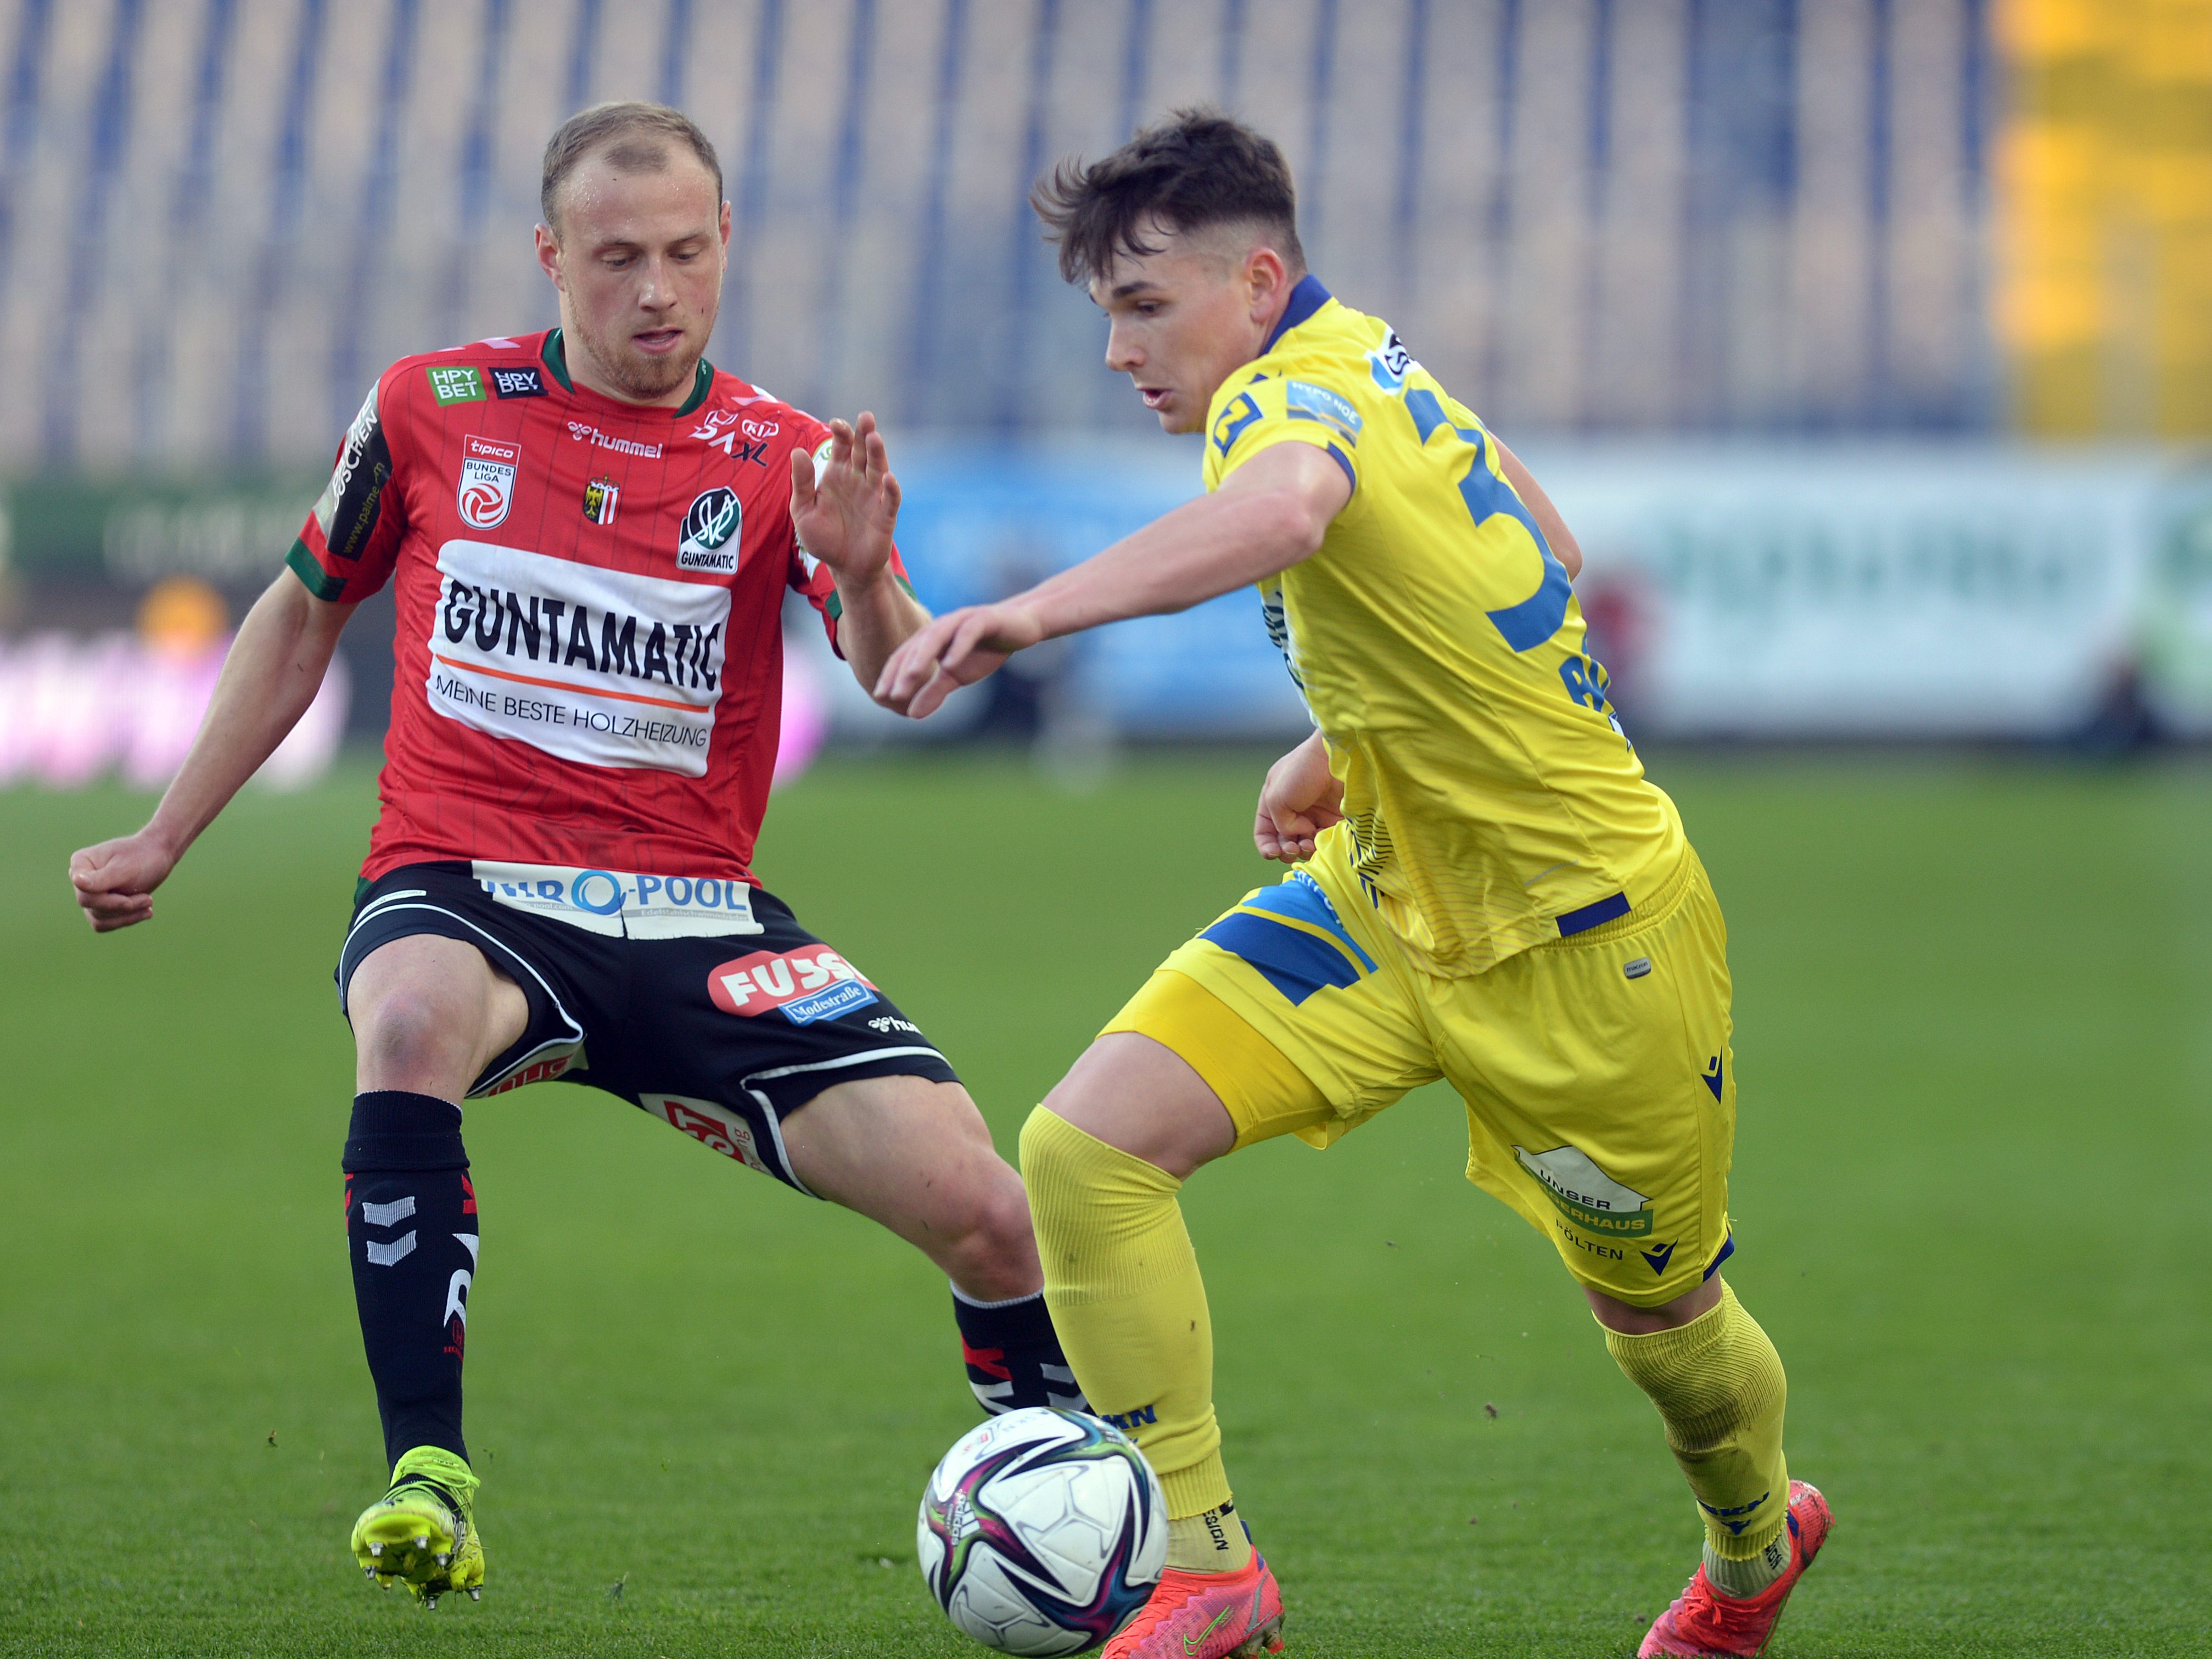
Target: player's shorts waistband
{"points": [[1594, 916], [1609, 918]]}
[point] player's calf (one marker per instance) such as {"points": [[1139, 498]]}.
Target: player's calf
{"points": [[1718, 1386], [1013, 1355], [411, 1232], [915, 1155]]}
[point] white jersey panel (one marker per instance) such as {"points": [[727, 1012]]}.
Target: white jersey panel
{"points": [[583, 663]]}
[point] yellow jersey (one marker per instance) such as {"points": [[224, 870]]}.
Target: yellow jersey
{"points": [[1493, 799]]}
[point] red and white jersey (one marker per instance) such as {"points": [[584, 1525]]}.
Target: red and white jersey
{"points": [[589, 659]]}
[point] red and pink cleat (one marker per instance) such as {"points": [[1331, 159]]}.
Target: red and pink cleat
{"points": [[1703, 1624], [1206, 1616]]}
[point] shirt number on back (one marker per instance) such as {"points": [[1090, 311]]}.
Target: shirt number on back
{"points": [[1526, 625]]}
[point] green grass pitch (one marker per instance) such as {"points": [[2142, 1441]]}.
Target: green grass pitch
{"points": [[1974, 1036]]}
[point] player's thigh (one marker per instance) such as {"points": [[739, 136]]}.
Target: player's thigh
{"points": [[1294, 1021], [450, 995], [1133, 1091], [1600, 1094], [428, 1014], [914, 1155], [734, 1041]]}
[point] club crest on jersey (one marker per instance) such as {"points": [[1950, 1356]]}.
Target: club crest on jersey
{"points": [[709, 537], [487, 491], [599, 497], [810, 983]]}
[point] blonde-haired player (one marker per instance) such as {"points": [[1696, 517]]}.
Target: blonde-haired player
{"points": [[1487, 888]]}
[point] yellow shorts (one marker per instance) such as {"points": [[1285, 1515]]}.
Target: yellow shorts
{"points": [[1600, 1089]]}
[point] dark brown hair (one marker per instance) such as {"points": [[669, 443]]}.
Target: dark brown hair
{"points": [[1194, 169], [643, 130]]}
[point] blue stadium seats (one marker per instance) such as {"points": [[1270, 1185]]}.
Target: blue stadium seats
{"points": [[219, 217]]}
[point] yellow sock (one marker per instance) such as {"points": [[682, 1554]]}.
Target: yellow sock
{"points": [[1212, 1542], [1718, 1385], [1126, 1297]]}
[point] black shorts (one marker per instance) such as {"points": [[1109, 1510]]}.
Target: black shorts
{"points": [[722, 1036]]}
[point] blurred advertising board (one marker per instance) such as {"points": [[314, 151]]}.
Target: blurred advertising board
{"points": [[1924, 589], [1908, 589], [223, 529], [1915, 589], [980, 522], [2177, 634]]}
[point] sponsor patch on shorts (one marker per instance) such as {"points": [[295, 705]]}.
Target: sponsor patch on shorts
{"points": [[619, 904], [716, 1127], [1587, 1195], [810, 983], [541, 1066]]}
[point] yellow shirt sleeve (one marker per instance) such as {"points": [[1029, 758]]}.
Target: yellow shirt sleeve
{"points": [[1273, 409]]}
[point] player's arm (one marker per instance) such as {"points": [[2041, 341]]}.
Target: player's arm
{"points": [[1267, 515], [274, 669], [844, 513]]}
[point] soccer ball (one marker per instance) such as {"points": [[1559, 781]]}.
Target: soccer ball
{"points": [[1042, 1531]]}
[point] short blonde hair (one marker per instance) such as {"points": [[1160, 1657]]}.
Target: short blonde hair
{"points": [[644, 132]]}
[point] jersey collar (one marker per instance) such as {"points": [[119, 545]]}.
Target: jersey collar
{"points": [[1308, 297], [702, 380]]}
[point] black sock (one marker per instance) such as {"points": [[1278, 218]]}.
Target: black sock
{"points": [[1013, 1355], [411, 1232]]}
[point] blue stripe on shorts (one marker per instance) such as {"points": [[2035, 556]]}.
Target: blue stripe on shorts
{"points": [[1300, 896], [1296, 963]]}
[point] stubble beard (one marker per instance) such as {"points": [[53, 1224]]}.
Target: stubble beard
{"points": [[641, 378]]}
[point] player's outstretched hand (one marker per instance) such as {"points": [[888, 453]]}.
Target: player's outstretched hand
{"points": [[115, 880], [1300, 798], [958, 648], [845, 517]]}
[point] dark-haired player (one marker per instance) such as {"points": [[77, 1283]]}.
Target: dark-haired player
{"points": [[591, 531], [1487, 888]]}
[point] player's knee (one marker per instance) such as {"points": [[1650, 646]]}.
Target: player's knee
{"points": [[1065, 1171], [1004, 1221], [1045, 1169], [408, 1039], [993, 1246]]}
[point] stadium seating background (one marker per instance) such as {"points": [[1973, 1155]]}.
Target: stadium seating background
{"points": [[218, 218], [1829, 259]]}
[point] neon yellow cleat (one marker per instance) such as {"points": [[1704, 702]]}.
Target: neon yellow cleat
{"points": [[422, 1532]]}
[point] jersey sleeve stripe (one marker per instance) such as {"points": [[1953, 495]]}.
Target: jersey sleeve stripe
{"points": [[319, 581]]}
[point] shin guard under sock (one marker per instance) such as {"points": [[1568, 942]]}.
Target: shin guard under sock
{"points": [[411, 1232], [1719, 1388], [1013, 1354], [1123, 1286]]}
